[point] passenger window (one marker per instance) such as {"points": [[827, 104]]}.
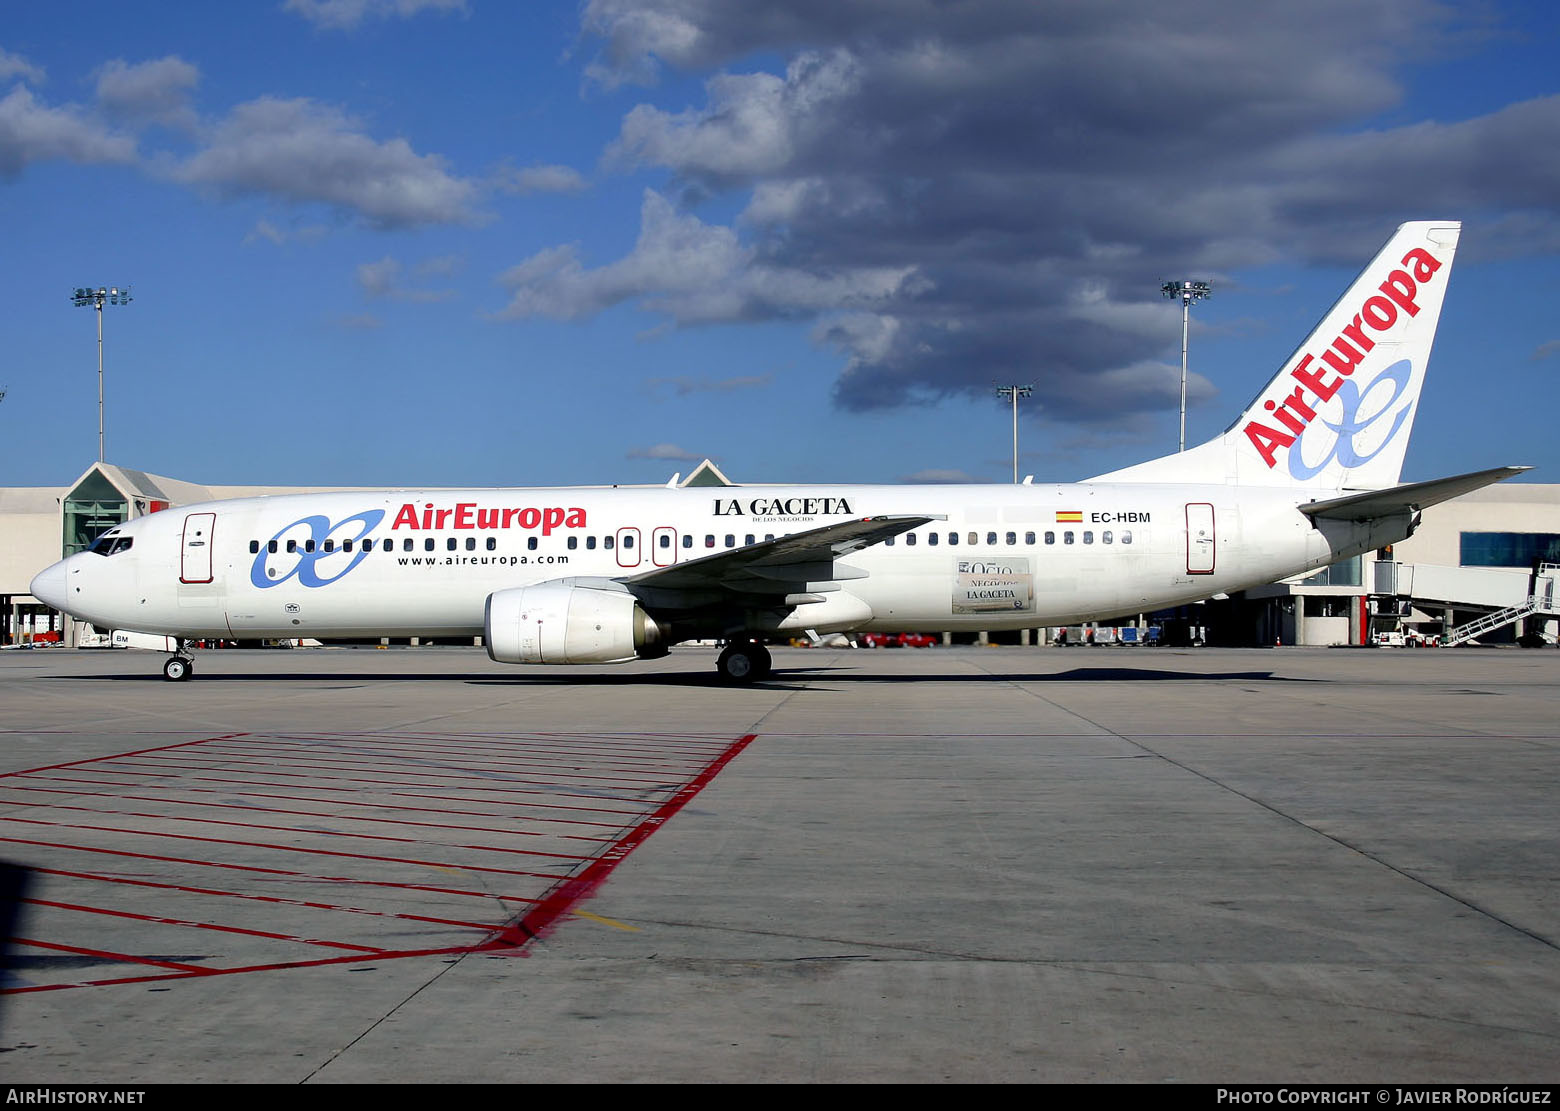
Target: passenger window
{"points": [[346, 545], [889, 543], [687, 539], [1067, 537], [1126, 536], [471, 543], [292, 545], [1012, 538], [406, 545], [1088, 537], [271, 546], [628, 540], [666, 541], [991, 538], [574, 542], [428, 544], [590, 543], [769, 536], [748, 540], [731, 540], [530, 543], [450, 544], [606, 543], [910, 539], [953, 539], [709, 539], [492, 543], [1105, 537], [254, 547], [931, 538], [330, 545], [975, 538], [1050, 537], [1029, 539]]}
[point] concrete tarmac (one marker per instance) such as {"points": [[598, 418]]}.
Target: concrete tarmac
{"points": [[970, 864]]}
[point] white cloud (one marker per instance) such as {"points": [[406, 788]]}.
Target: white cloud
{"points": [[935, 476], [667, 452], [683, 386], [384, 279], [960, 194], [14, 65], [692, 271], [753, 124], [342, 15], [542, 179], [302, 152], [32, 132], [148, 92]]}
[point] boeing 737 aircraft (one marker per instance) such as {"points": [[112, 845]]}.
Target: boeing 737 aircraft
{"points": [[1305, 477]]}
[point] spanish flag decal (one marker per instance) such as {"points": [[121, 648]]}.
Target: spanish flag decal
{"points": [[1069, 516]]}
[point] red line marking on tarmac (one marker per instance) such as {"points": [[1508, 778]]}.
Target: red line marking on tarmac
{"points": [[531, 785], [286, 829], [104, 954], [171, 801], [512, 935], [538, 921], [282, 873], [139, 752], [186, 889], [288, 848], [524, 773], [186, 923]]}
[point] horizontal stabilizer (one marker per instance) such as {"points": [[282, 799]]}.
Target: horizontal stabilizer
{"points": [[1406, 499]]}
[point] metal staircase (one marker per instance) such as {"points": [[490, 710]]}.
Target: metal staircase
{"points": [[1542, 600]]}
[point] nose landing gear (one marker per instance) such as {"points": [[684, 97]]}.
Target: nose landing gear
{"points": [[178, 668]]}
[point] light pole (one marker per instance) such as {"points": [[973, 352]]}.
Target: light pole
{"points": [[96, 298], [1014, 393], [1187, 292]]}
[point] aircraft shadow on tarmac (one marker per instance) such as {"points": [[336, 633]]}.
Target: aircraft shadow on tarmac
{"points": [[780, 680]]}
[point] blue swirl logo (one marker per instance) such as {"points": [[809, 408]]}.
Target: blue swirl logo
{"points": [[1350, 424], [318, 554]]}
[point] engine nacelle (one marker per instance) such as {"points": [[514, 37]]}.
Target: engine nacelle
{"points": [[565, 621]]}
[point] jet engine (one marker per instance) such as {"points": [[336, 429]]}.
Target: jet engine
{"points": [[569, 621]]}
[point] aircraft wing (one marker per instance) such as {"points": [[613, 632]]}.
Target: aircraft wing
{"points": [[1405, 499], [774, 567]]}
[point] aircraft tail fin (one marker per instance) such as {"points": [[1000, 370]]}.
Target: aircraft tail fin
{"points": [[1337, 415]]}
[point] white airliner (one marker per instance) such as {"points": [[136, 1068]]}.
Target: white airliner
{"points": [[1305, 477]]}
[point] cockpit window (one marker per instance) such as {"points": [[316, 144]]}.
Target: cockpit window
{"points": [[111, 545]]}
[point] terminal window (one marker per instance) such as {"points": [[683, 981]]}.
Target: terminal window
{"points": [[1508, 549]]}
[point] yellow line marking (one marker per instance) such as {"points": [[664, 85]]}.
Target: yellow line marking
{"points": [[614, 923]]}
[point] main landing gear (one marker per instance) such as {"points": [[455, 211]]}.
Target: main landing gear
{"points": [[178, 668], [744, 661]]}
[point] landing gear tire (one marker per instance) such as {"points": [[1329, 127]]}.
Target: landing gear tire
{"points": [[176, 669], [744, 661]]}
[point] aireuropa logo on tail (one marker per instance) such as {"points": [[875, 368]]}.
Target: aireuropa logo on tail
{"points": [[1352, 431]]}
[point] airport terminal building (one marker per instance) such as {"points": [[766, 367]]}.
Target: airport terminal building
{"points": [[1482, 554]]}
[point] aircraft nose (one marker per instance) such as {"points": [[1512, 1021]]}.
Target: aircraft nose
{"points": [[49, 586]]}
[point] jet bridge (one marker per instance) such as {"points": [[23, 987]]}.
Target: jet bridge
{"points": [[1510, 594]]}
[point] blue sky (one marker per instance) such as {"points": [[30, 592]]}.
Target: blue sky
{"points": [[468, 243]]}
